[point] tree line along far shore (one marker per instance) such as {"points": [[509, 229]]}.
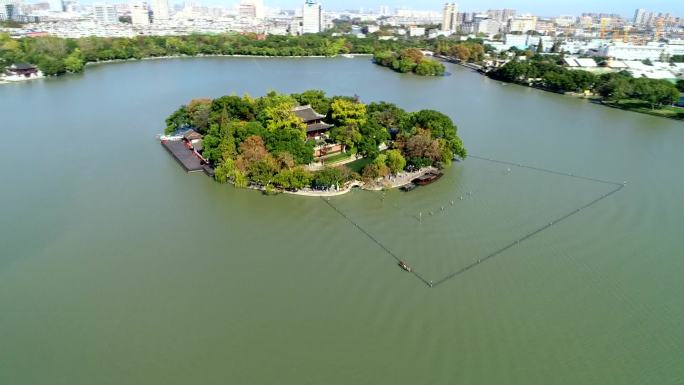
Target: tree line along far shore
{"points": [[260, 141], [56, 56]]}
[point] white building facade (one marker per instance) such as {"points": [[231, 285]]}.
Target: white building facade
{"points": [[312, 17], [105, 13], [449, 17], [160, 9], [522, 24], [140, 15], [488, 27]]}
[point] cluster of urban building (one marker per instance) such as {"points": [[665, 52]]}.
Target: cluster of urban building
{"points": [[68, 18], [645, 36]]}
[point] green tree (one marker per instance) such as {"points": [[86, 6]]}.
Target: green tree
{"points": [[348, 113], [404, 65], [349, 136], [395, 161], [199, 111], [74, 62], [439, 126], [225, 171], [178, 120], [295, 179], [427, 67], [329, 177], [281, 117], [51, 66], [316, 98], [234, 106], [680, 85]]}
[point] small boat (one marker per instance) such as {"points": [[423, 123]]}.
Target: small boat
{"points": [[404, 266], [348, 56], [408, 187], [428, 178]]}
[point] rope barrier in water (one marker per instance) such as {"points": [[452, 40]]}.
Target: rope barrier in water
{"points": [[545, 170], [372, 238], [527, 236], [517, 241]]}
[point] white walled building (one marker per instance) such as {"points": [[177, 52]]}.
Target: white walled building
{"points": [[160, 9], [416, 31], [10, 9], [625, 51], [251, 9], [105, 13], [488, 27], [140, 15], [312, 17], [522, 24], [449, 17]]}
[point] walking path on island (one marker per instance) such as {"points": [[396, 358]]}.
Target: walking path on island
{"points": [[381, 183]]}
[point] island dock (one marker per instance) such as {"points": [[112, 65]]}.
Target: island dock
{"points": [[185, 156]]}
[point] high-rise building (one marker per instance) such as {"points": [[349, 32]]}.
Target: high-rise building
{"points": [[522, 23], [251, 9], [449, 17], [639, 16], [105, 13], [488, 26], [384, 10], [10, 10], [71, 5], [312, 17], [507, 14], [160, 10], [140, 14], [501, 15]]}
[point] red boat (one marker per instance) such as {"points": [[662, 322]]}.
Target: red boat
{"points": [[427, 178]]}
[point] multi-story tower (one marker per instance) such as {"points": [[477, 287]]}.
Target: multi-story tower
{"points": [[312, 17], [140, 14], [105, 13], [639, 16], [160, 9], [449, 17], [251, 9]]}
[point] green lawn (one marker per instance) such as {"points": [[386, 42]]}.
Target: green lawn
{"points": [[645, 108], [358, 164], [337, 157]]}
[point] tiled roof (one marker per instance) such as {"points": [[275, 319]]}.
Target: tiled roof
{"points": [[306, 113], [318, 127]]}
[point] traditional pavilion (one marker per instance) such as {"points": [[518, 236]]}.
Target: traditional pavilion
{"points": [[23, 69], [315, 126]]}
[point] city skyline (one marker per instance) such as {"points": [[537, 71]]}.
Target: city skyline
{"points": [[625, 8]]}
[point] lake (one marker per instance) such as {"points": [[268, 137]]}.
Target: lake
{"points": [[116, 267]]}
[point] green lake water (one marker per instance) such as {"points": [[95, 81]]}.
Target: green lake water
{"points": [[116, 267]]}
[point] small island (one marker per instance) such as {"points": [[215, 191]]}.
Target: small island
{"points": [[309, 143], [409, 60]]}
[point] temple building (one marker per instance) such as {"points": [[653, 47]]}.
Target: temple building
{"points": [[315, 126], [22, 69]]}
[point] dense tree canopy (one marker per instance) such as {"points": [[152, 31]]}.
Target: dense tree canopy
{"points": [[612, 86], [55, 56], [260, 141], [680, 85], [409, 60]]}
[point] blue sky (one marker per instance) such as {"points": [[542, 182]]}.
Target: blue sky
{"points": [[540, 7]]}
